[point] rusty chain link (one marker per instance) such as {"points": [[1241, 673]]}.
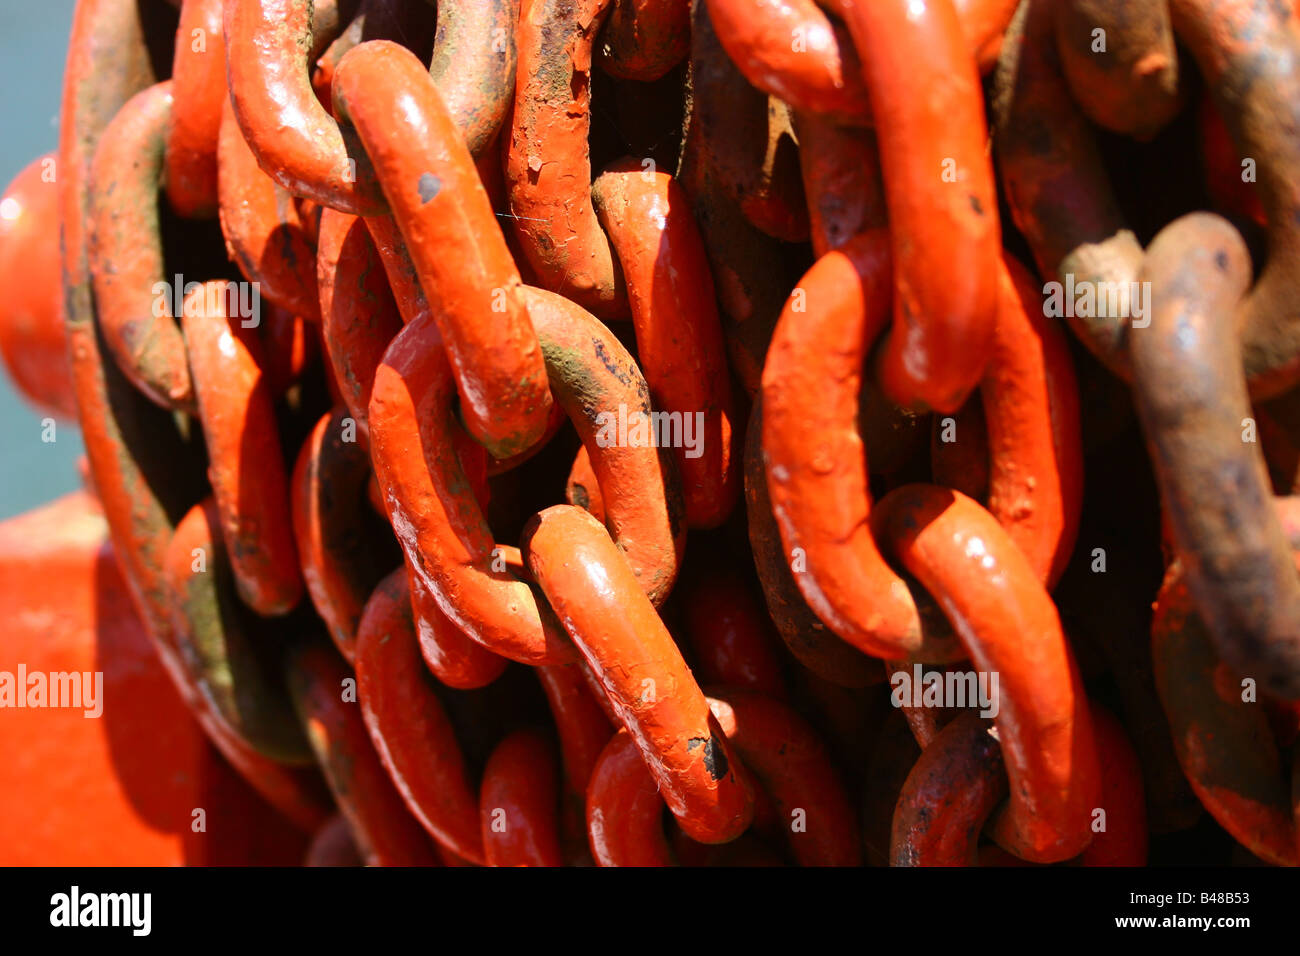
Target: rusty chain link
{"points": [[455, 566]]}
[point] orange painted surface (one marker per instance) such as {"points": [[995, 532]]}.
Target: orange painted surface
{"points": [[119, 789]]}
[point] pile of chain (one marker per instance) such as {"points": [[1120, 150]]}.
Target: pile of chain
{"points": [[861, 543]]}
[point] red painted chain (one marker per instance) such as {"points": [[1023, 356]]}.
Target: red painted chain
{"points": [[414, 230]]}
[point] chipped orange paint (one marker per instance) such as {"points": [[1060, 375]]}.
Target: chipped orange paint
{"points": [[1055, 181], [445, 537], [442, 528], [294, 139], [816, 467], [548, 169], [1010, 627], [1031, 408], [107, 63], [454, 241], [473, 66], [136, 458], [745, 139], [599, 600], [810, 803]]}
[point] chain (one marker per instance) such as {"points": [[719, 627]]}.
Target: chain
{"points": [[329, 457]]}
